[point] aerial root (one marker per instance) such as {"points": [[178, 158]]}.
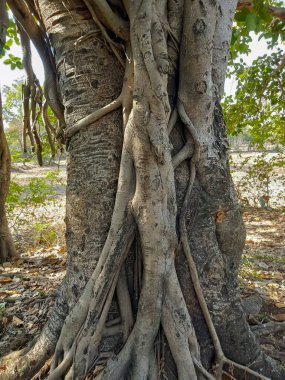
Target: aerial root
{"points": [[88, 316], [112, 20], [96, 115], [113, 46], [185, 153], [220, 359], [125, 305], [180, 332], [124, 100], [172, 120], [137, 357], [128, 84], [91, 335], [153, 367], [61, 365]]}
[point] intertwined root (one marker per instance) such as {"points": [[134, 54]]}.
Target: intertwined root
{"points": [[146, 152]]}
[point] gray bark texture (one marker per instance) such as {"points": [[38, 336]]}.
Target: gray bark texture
{"points": [[153, 226]]}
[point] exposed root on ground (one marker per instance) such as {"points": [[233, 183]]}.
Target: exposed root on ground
{"points": [[25, 363]]}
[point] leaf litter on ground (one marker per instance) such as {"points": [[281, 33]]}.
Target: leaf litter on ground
{"points": [[28, 285]]}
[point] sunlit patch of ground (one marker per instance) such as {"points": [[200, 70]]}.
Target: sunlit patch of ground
{"points": [[262, 272]]}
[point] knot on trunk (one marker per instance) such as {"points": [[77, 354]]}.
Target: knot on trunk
{"points": [[199, 26]]}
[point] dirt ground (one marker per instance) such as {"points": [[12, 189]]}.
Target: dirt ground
{"points": [[28, 285]]}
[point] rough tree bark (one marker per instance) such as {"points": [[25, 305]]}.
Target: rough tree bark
{"points": [[7, 248], [154, 231]]}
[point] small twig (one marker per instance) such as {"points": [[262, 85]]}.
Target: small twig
{"points": [[113, 322], [113, 330]]}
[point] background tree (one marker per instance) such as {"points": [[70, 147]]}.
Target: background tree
{"points": [[38, 122], [154, 232], [257, 108], [7, 248]]}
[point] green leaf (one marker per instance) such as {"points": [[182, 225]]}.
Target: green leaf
{"points": [[241, 16], [251, 21], [8, 43], [19, 65]]}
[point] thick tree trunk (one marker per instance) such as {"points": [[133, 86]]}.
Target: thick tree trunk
{"points": [[178, 52]]}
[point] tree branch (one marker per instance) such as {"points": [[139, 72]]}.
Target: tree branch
{"points": [[26, 19], [277, 12], [4, 23]]}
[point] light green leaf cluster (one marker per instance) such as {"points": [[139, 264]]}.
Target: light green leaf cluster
{"points": [[11, 38], [258, 107], [39, 191], [257, 110], [258, 21]]}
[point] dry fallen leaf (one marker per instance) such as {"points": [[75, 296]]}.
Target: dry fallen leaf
{"points": [[220, 216], [5, 280], [278, 276], [4, 321], [279, 317], [280, 305], [272, 285], [17, 321]]}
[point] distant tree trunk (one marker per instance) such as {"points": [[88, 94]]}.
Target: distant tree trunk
{"points": [[149, 195], [7, 248]]}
